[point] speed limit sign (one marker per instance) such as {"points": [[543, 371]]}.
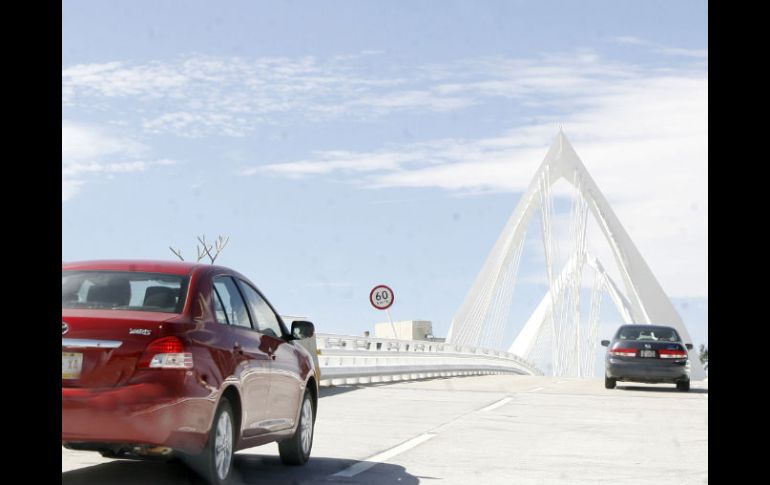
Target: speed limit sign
{"points": [[381, 297]]}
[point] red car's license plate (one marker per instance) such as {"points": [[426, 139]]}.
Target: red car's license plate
{"points": [[647, 353], [71, 363]]}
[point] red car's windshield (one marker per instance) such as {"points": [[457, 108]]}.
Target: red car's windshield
{"points": [[123, 290]]}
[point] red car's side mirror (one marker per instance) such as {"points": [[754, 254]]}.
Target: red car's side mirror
{"points": [[302, 330]]}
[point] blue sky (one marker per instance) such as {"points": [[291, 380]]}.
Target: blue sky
{"points": [[344, 144]]}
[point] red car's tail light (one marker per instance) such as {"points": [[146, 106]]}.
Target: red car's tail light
{"points": [[623, 352], [672, 354], [166, 353]]}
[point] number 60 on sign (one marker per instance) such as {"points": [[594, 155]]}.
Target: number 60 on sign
{"points": [[381, 297]]}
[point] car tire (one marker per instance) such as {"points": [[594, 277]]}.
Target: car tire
{"points": [[683, 385], [296, 450], [215, 463], [609, 382]]}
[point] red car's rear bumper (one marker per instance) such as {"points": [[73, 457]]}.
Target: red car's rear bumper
{"points": [[139, 414]]}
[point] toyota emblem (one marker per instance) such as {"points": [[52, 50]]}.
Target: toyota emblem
{"points": [[64, 328]]}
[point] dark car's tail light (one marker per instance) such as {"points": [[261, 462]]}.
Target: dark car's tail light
{"points": [[623, 352], [166, 353], [672, 354]]}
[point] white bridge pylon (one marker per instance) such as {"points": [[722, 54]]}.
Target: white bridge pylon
{"points": [[481, 319], [537, 325]]}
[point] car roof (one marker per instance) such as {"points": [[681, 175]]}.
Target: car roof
{"points": [[140, 265], [645, 325]]}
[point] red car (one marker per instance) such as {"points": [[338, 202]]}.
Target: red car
{"points": [[181, 359]]}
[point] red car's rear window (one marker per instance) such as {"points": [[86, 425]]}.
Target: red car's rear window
{"points": [[123, 290]]}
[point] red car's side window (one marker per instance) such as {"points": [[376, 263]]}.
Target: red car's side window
{"points": [[265, 320], [219, 308], [232, 302]]}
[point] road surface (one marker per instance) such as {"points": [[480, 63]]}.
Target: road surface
{"points": [[470, 430]]}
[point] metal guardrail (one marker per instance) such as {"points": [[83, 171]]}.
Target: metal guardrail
{"points": [[350, 359]]}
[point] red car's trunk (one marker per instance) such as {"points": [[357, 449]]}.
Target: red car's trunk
{"points": [[100, 348]]}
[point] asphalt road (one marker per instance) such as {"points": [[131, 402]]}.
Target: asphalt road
{"points": [[471, 430]]}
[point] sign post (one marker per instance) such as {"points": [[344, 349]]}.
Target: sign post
{"points": [[381, 297], [392, 326]]}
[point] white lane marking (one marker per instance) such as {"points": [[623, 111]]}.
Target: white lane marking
{"points": [[497, 404], [449, 423], [362, 466], [537, 389], [368, 463]]}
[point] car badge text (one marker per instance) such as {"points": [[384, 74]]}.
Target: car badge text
{"points": [[139, 331]]}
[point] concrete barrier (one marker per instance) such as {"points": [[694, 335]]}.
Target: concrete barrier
{"points": [[345, 359]]}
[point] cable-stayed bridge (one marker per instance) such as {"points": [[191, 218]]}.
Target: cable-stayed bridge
{"points": [[556, 332]]}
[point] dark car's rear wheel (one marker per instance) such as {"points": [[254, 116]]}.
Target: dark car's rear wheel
{"points": [[296, 450], [214, 464], [683, 385], [609, 382]]}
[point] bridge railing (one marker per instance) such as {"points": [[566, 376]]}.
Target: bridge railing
{"points": [[352, 359]]}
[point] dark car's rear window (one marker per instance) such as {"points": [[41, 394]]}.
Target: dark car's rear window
{"points": [[123, 290], [647, 332]]}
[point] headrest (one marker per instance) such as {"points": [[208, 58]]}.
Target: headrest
{"points": [[160, 296], [116, 291]]}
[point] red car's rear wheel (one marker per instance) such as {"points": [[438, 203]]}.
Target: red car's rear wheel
{"points": [[215, 462]]}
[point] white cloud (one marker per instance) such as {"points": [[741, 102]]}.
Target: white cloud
{"points": [[641, 131], [89, 151], [697, 53], [202, 95], [629, 39], [199, 95], [661, 49], [69, 188], [642, 135], [339, 160], [112, 79], [403, 100], [74, 169], [195, 125], [85, 142]]}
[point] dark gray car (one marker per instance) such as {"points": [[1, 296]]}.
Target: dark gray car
{"points": [[647, 353]]}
